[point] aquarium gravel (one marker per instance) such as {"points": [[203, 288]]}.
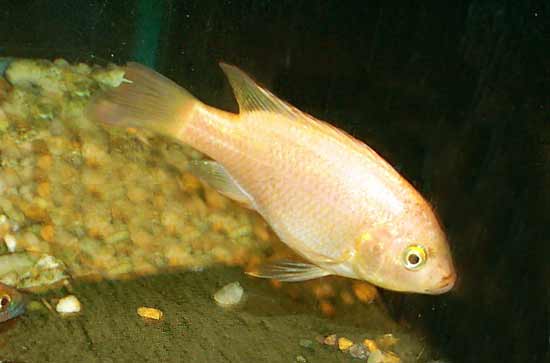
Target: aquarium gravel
{"points": [[81, 200]]}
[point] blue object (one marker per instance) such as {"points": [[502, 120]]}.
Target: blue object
{"points": [[148, 28], [4, 63]]}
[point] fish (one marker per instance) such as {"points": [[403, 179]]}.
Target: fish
{"points": [[12, 303], [327, 195]]}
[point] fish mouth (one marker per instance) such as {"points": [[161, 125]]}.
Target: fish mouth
{"points": [[445, 284]]}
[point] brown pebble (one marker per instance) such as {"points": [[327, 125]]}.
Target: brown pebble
{"points": [[143, 267], [370, 344], [43, 189], [346, 297], [276, 283], [40, 175], [330, 339], [379, 356], [34, 212], [344, 343], [218, 226], [40, 146], [239, 256], [214, 200], [323, 290], [327, 308], [254, 262], [44, 162], [47, 232], [141, 238], [364, 291], [5, 88], [149, 313], [177, 255], [136, 194], [159, 202], [120, 211], [5, 228], [386, 341], [391, 357], [189, 183]]}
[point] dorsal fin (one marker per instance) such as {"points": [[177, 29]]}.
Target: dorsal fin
{"points": [[252, 97]]}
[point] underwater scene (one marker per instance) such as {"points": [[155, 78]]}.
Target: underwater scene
{"points": [[274, 181]]}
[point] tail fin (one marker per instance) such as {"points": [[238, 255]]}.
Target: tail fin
{"points": [[146, 100]]}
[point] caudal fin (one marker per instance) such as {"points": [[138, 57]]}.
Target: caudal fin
{"points": [[146, 99]]}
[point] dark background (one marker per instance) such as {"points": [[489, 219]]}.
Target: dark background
{"points": [[454, 94]]}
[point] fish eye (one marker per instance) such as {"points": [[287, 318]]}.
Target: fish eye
{"points": [[4, 301], [414, 257]]}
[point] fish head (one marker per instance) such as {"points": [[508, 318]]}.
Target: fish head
{"points": [[12, 303], [407, 255]]}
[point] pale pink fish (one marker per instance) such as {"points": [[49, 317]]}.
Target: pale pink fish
{"points": [[328, 196]]}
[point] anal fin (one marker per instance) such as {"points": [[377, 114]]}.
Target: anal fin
{"points": [[289, 271]]}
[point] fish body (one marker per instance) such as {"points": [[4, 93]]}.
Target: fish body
{"points": [[328, 196], [12, 303]]}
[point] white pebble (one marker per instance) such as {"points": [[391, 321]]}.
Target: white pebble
{"points": [[11, 242], [47, 262], [68, 304], [229, 295]]}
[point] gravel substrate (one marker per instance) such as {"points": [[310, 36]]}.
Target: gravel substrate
{"points": [[97, 201]]}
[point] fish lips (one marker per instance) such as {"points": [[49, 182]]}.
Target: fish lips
{"points": [[445, 285]]}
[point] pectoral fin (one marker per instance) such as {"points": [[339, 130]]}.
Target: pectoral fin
{"points": [[289, 271], [218, 178]]}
